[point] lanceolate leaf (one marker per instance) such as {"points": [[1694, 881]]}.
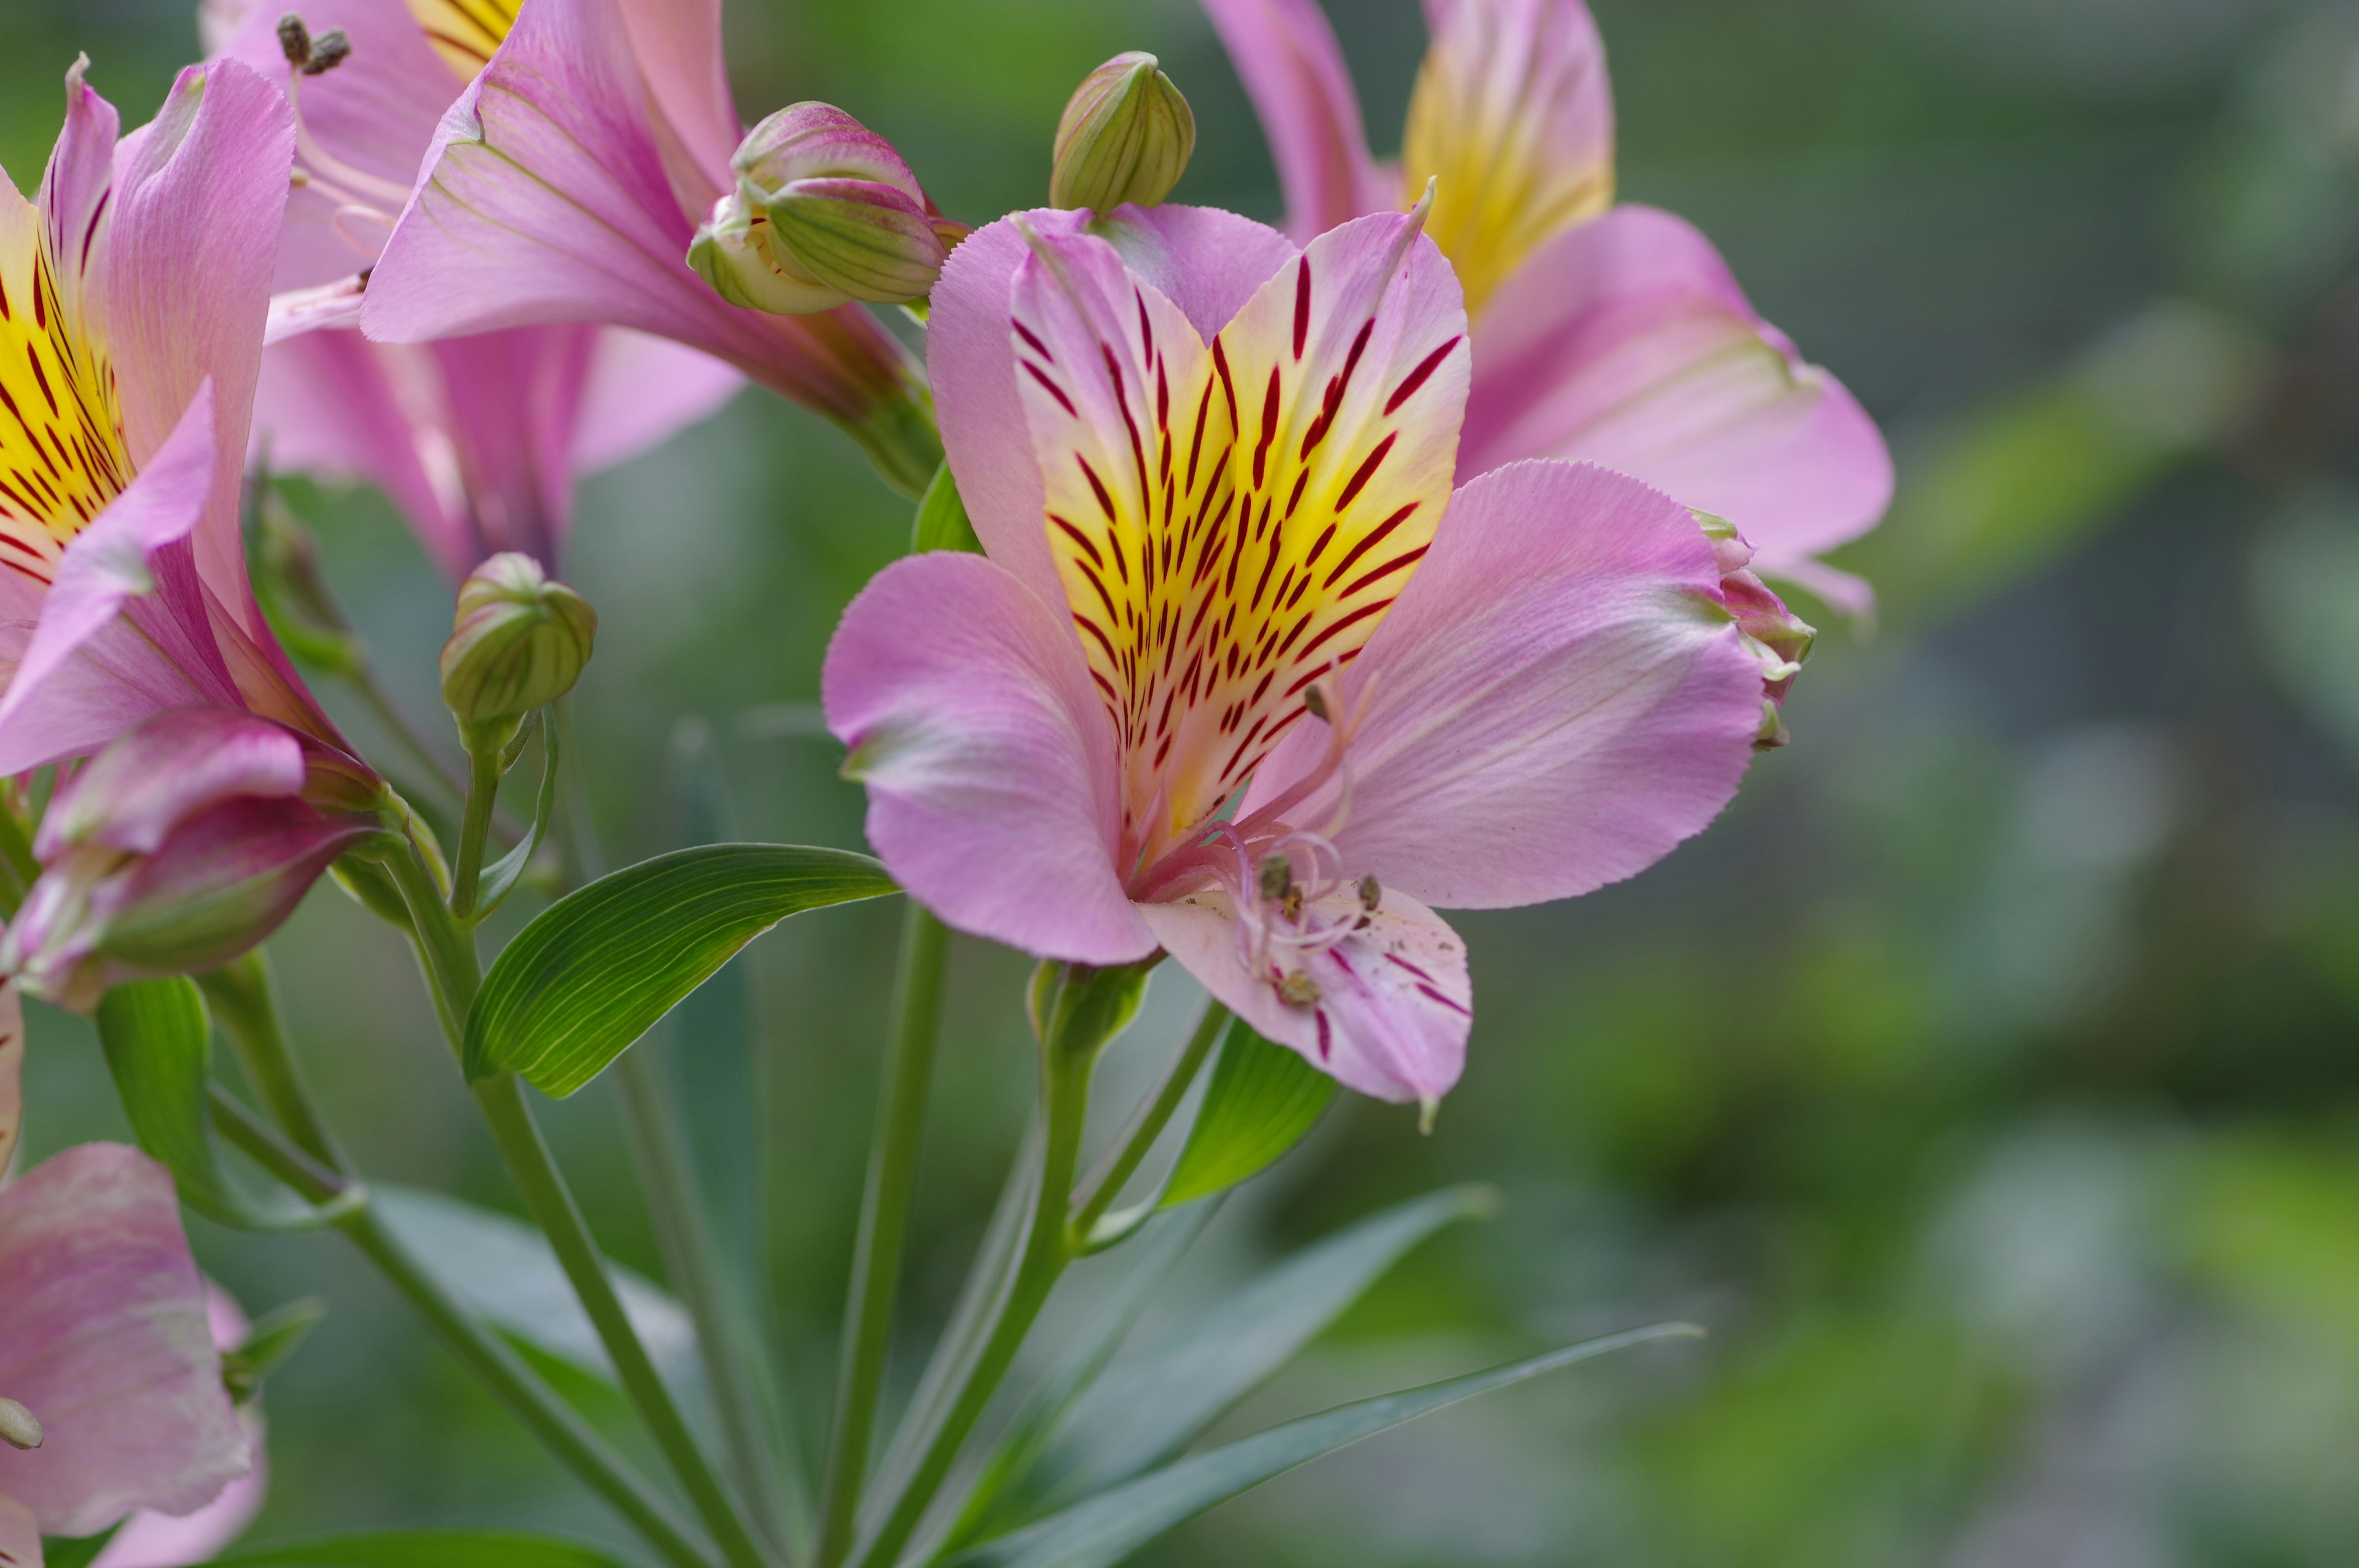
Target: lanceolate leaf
{"points": [[159, 1045], [1113, 1524], [431, 1549], [595, 969], [1151, 1403], [1261, 1102]]}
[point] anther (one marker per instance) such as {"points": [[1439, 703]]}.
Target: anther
{"points": [[294, 40], [1277, 877], [1290, 906], [1314, 699], [329, 50], [18, 1428], [1299, 988], [1372, 893]]}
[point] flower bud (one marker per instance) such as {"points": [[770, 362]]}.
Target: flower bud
{"points": [[1773, 633], [178, 847], [1126, 137], [824, 211], [518, 641]]}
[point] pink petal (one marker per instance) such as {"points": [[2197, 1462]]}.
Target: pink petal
{"points": [[678, 46], [81, 171], [1285, 54], [12, 1063], [185, 276], [1625, 342], [102, 1335], [21, 1533], [548, 201], [376, 113], [510, 402], [1207, 262], [165, 771], [149, 1540], [642, 391], [86, 676], [988, 757], [1393, 1001], [1555, 702]]}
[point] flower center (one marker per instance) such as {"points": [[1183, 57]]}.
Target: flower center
{"points": [[465, 32], [63, 458]]}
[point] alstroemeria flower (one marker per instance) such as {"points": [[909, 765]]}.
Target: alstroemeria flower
{"points": [[135, 293], [566, 185], [104, 1339], [478, 440], [1242, 676], [1615, 334]]}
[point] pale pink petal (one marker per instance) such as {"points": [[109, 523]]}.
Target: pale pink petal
{"points": [[988, 758], [103, 1337], [11, 1065], [1285, 54], [327, 308], [150, 1539], [185, 281], [75, 184], [1625, 342], [87, 676], [1847, 593], [548, 201], [678, 46], [642, 391], [375, 114], [1393, 1002], [1555, 702], [21, 1534], [512, 399]]}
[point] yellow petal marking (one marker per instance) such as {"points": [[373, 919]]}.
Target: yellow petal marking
{"points": [[1502, 102], [1236, 519], [465, 32], [63, 458]]}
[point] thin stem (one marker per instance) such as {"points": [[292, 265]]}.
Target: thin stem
{"points": [[914, 1027], [1066, 1066], [1146, 1124], [482, 796], [695, 1271], [245, 1000], [362, 679], [580, 1449]]}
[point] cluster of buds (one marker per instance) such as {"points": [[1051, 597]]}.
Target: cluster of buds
{"points": [[517, 643], [825, 210], [1775, 635], [179, 847], [1126, 137]]}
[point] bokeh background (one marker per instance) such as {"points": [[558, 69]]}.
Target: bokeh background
{"points": [[1984, 1079]]}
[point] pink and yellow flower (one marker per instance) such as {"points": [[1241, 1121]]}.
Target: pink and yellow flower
{"points": [[1611, 333], [1242, 676]]}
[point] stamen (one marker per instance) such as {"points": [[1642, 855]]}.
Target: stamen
{"points": [[1299, 989], [356, 189], [329, 50], [18, 1426], [1372, 891]]}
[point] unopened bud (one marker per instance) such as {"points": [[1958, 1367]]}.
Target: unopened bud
{"points": [[294, 40], [1126, 137], [824, 211], [517, 643], [327, 51], [1775, 636], [18, 1426]]}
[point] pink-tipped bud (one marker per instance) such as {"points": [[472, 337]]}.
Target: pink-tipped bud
{"points": [[179, 847], [824, 211], [517, 641], [1126, 135], [1773, 633]]}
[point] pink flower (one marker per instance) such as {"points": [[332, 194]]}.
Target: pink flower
{"points": [[104, 1339], [135, 293], [152, 1539], [1615, 334], [479, 440], [566, 185], [1241, 677]]}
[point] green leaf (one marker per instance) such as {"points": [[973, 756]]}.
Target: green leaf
{"points": [[942, 523], [159, 1045], [500, 876], [1262, 1101], [595, 969], [504, 1272], [431, 1549], [271, 1340], [1113, 1524], [77, 1551], [1151, 1403]]}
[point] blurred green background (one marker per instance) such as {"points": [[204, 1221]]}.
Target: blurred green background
{"points": [[1984, 1079]]}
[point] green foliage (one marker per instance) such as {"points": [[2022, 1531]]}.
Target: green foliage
{"points": [[1262, 1101], [431, 1549], [942, 522], [159, 1045], [274, 1337], [594, 970]]}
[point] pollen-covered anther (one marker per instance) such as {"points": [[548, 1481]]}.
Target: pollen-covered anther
{"points": [[294, 40], [1277, 876], [1299, 989], [1372, 893], [329, 50]]}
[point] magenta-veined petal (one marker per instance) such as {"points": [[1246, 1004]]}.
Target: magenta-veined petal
{"points": [[375, 114], [1555, 702], [104, 1336], [75, 183], [165, 771], [1285, 54], [185, 281], [641, 392], [1390, 1004], [1627, 343], [989, 759]]}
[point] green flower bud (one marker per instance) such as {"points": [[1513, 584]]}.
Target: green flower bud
{"points": [[518, 641], [1126, 137]]}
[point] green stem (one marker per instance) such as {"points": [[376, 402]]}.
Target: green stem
{"points": [[580, 1449], [245, 1000], [482, 796], [1068, 1054], [362, 679], [695, 1270], [1146, 1124], [915, 1028]]}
